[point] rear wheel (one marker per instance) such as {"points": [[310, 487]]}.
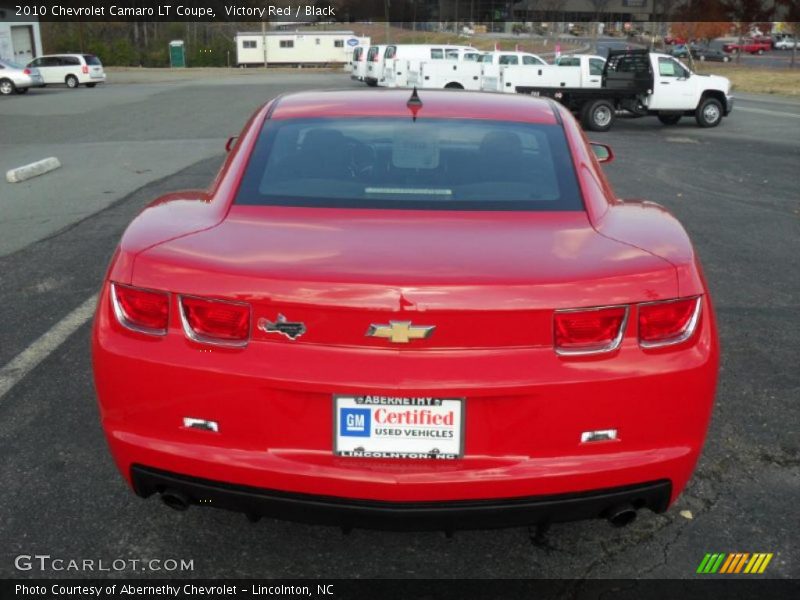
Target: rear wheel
{"points": [[709, 113], [6, 87], [21, 90], [598, 115], [669, 118], [91, 84], [71, 81], [454, 86]]}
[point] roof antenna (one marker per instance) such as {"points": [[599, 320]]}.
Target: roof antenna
{"points": [[414, 104]]}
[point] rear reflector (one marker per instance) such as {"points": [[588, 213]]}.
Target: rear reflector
{"points": [[668, 323], [589, 330], [218, 322], [145, 311]]}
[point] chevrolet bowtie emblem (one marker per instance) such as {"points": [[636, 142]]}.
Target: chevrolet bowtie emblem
{"points": [[400, 332]]}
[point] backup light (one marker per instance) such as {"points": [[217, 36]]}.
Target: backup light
{"points": [[145, 311], [218, 322], [667, 323], [589, 330]]}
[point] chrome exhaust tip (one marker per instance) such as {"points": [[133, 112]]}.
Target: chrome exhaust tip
{"points": [[175, 500], [622, 515]]}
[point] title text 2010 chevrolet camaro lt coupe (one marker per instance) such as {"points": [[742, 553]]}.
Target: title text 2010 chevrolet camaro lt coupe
{"points": [[395, 311]]}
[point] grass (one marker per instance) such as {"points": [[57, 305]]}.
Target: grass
{"points": [[784, 82]]}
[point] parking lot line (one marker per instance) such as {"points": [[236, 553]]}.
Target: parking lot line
{"points": [[764, 111], [26, 361]]}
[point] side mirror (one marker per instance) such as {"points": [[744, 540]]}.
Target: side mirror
{"points": [[602, 153], [231, 142]]}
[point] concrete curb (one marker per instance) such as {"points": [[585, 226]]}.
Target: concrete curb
{"points": [[40, 167]]}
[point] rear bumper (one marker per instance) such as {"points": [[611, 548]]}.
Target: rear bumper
{"points": [[370, 514]]}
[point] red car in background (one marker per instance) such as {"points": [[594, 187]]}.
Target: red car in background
{"points": [[394, 312], [749, 46]]}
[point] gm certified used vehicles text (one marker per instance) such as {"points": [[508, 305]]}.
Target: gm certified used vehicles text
{"points": [[407, 312]]}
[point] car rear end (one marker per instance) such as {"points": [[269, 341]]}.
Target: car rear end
{"points": [[442, 351], [92, 71], [15, 77]]}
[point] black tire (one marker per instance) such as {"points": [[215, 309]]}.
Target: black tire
{"points": [[90, 85], [71, 81], [22, 90], [453, 85], [371, 83], [669, 118], [7, 87], [709, 112], [597, 115]]}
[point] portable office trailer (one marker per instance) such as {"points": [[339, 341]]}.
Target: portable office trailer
{"points": [[297, 47]]}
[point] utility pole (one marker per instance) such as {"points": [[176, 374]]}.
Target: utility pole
{"points": [[386, 5]]}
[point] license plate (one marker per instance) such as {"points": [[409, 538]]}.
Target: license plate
{"points": [[398, 427]]}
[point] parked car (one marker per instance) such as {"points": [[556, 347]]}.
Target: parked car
{"points": [[18, 79], [679, 51], [710, 54], [748, 45], [407, 310], [674, 40], [786, 43], [70, 69]]}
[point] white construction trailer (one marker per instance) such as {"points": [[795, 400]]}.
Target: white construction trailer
{"points": [[296, 48], [20, 41]]}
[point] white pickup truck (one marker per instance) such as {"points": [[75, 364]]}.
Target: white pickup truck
{"points": [[641, 83], [494, 62], [575, 71], [471, 72]]}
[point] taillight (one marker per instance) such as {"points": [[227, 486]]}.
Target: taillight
{"points": [[589, 330], [26, 71], [219, 322], [145, 311], [84, 69], [669, 322]]}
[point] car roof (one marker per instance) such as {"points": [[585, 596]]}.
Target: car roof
{"points": [[435, 104]]}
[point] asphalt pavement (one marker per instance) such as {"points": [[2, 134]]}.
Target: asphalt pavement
{"points": [[735, 188]]}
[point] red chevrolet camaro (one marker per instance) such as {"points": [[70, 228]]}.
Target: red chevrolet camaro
{"points": [[394, 311]]}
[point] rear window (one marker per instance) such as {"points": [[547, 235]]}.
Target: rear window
{"points": [[373, 52], [91, 59], [434, 164]]}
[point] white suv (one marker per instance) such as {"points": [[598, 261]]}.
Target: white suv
{"points": [[70, 69]]}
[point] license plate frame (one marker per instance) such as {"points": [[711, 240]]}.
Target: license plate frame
{"points": [[439, 423]]}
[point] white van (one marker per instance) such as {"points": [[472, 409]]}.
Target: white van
{"points": [[70, 69], [358, 63], [374, 71], [399, 59]]}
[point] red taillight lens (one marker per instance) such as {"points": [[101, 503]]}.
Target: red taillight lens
{"points": [[145, 311], [215, 321], [84, 69], [26, 71], [589, 330], [667, 323]]}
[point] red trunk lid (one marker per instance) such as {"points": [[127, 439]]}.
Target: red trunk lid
{"points": [[483, 279]]}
